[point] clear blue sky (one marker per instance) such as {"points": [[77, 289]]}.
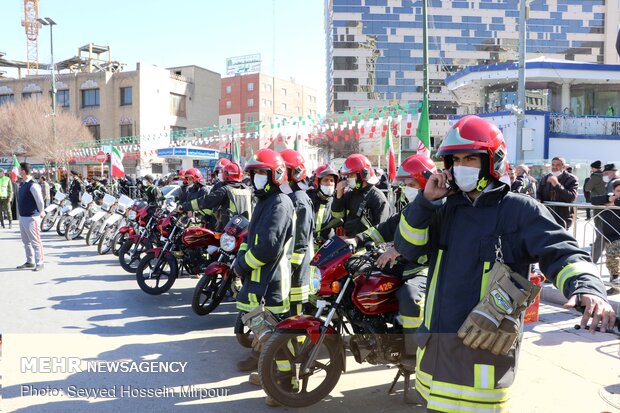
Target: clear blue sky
{"points": [[174, 33]]}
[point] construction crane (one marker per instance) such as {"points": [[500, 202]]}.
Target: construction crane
{"points": [[31, 25]]}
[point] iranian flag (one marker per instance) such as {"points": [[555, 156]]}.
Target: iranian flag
{"points": [[15, 171], [389, 152], [423, 132], [117, 163]]}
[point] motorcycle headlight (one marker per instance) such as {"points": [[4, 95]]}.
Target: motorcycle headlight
{"points": [[132, 215], [227, 242]]}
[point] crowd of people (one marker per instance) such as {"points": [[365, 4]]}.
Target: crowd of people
{"points": [[461, 237]]}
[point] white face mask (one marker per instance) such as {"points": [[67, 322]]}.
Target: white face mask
{"points": [[556, 173], [260, 181], [219, 177], [327, 190], [145, 183], [352, 182], [410, 193], [606, 179], [466, 177]]}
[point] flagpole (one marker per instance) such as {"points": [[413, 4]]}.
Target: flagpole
{"points": [[425, 52]]}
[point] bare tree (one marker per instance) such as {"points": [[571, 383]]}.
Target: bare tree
{"points": [[27, 129]]}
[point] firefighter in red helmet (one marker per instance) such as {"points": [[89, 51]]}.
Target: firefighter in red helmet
{"points": [[480, 240], [322, 195]]}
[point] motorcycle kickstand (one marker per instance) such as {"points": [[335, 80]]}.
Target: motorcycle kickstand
{"points": [[398, 374]]}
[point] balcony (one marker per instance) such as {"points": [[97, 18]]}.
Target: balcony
{"points": [[592, 125]]}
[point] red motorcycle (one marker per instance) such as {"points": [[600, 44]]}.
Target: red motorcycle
{"points": [[139, 239], [216, 281], [184, 247], [302, 361]]}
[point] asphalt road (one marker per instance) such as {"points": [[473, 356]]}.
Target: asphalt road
{"points": [[85, 306]]}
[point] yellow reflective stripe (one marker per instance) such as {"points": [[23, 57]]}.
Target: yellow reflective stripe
{"points": [[374, 235], [448, 405], [252, 261], [283, 365], [336, 214], [255, 277], [461, 392], [290, 347], [194, 204], [571, 270], [297, 258], [279, 309], [232, 207], [423, 259], [243, 247], [410, 322], [319, 218], [484, 376], [206, 211], [300, 293], [431, 292], [414, 236], [485, 279]]}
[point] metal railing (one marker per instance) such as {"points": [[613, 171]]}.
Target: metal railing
{"points": [[584, 125]]}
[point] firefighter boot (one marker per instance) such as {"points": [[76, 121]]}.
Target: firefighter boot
{"points": [[254, 378], [250, 363]]}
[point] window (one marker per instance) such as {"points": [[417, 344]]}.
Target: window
{"points": [[90, 98], [6, 99], [228, 90], [250, 103], [284, 107], [126, 96], [62, 99], [228, 121], [177, 105], [249, 118], [126, 130], [228, 104], [28, 95], [94, 130], [250, 87], [268, 103], [283, 91]]}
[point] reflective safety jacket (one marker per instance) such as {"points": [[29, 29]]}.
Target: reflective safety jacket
{"points": [[322, 215], [361, 209], [460, 237], [303, 249], [152, 193], [263, 260], [6, 187], [230, 199]]}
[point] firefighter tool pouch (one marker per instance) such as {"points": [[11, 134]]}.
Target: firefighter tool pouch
{"points": [[494, 323], [262, 322]]}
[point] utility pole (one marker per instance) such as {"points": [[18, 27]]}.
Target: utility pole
{"points": [[521, 86], [425, 49], [51, 23]]}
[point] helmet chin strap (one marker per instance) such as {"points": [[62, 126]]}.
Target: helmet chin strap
{"points": [[483, 182]]}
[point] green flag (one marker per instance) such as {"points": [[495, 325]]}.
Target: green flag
{"points": [[423, 132]]}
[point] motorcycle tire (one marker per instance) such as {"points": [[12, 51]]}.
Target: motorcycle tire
{"points": [[279, 386], [93, 236], [146, 273], [244, 335], [48, 221], [60, 225], [105, 242], [209, 293], [73, 228], [117, 243], [124, 255]]}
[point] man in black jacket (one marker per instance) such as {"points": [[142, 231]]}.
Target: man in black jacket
{"points": [[363, 206], [75, 189], [151, 192], [559, 186], [610, 228]]}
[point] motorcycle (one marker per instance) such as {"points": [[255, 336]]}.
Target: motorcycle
{"points": [[53, 211], [108, 204], [78, 217], [111, 225], [363, 305], [189, 248], [131, 227], [141, 239], [217, 280]]}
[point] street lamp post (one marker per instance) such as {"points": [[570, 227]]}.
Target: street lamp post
{"points": [[51, 23]]}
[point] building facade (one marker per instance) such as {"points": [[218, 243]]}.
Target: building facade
{"points": [[269, 100], [147, 101], [374, 47]]}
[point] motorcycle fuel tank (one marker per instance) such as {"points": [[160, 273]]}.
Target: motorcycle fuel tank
{"points": [[376, 293], [199, 237]]}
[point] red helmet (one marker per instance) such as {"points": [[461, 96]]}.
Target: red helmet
{"points": [[472, 134], [295, 162], [418, 167], [359, 164], [194, 173], [232, 172], [322, 171], [269, 160], [221, 163]]}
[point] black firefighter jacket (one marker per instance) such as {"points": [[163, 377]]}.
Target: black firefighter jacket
{"points": [[361, 209], [303, 249], [222, 203]]}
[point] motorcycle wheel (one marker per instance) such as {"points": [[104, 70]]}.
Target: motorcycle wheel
{"points": [[291, 347], [242, 333], [150, 278], [93, 236], [74, 229], [105, 242], [124, 255], [117, 243], [48, 222], [61, 226], [209, 293]]}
